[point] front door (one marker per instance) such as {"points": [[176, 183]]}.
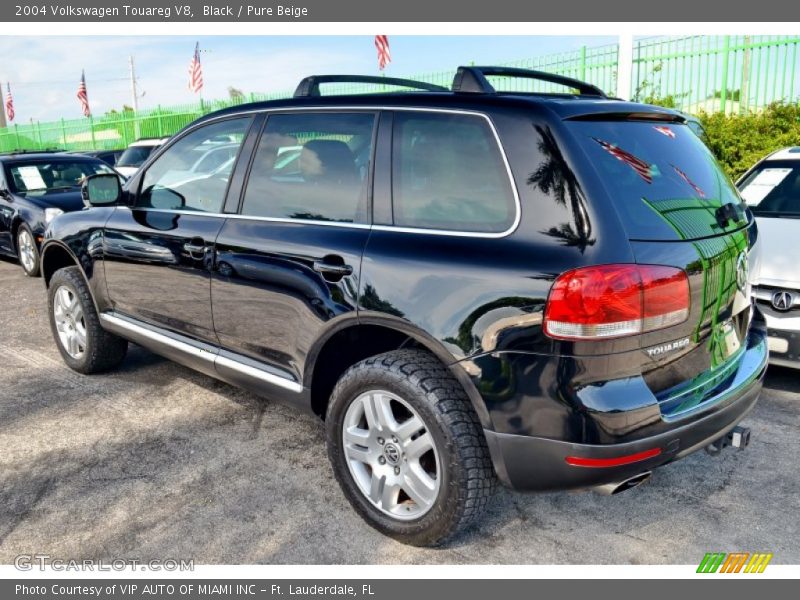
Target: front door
{"points": [[159, 253]]}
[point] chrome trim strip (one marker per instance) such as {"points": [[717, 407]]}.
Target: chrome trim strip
{"points": [[128, 325], [192, 350], [292, 386], [414, 230]]}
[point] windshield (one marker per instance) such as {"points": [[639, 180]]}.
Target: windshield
{"points": [[57, 174], [773, 189], [134, 156], [663, 180]]}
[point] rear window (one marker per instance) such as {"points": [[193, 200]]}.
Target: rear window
{"points": [[772, 189], [135, 156], [449, 174], [663, 180]]}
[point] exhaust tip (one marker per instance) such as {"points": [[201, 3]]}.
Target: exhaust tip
{"points": [[612, 489]]}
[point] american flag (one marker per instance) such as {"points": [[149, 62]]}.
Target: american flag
{"points": [[9, 103], [384, 56], [665, 130], [691, 183], [637, 164], [83, 97], [196, 71]]}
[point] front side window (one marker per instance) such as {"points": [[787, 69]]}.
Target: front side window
{"points": [[449, 174], [41, 177], [312, 166], [134, 156], [193, 173]]}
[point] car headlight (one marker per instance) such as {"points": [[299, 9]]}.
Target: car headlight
{"points": [[51, 213]]}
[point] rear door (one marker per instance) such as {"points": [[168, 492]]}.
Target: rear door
{"points": [[287, 266], [158, 253], [679, 209]]}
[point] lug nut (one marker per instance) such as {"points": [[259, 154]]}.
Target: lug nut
{"points": [[397, 470], [381, 441], [381, 460], [394, 439]]}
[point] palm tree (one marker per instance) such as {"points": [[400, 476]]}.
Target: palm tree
{"points": [[555, 177]]}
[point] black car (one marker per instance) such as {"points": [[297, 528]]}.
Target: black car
{"points": [[35, 188], [109, 157], [466, 285]]}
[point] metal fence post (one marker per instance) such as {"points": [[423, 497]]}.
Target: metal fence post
{"points": [[91, 128], [16, 136], [583, 63], [158, 121], [726, 50], [63, 133]]}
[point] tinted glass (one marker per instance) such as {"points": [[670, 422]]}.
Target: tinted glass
{"points": [[193, 173], [663, 180], [135, 156], [312, 166], [51, 175], [773, 189], [449, 174]]}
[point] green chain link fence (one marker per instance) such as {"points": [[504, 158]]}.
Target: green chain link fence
{"points": [[731, 74]]}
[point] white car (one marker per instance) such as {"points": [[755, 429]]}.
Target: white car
{"points": [[771, 190], [135, 155]]}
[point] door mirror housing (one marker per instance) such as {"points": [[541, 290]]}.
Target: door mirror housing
{"points": [[103, 189]]}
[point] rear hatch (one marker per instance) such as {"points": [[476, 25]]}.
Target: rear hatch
{"points": [[678, 209]]}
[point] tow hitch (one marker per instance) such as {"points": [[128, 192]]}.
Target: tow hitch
{"points": [[738, 437]]}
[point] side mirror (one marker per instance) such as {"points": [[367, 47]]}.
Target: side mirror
{"points": [[101, 190]]}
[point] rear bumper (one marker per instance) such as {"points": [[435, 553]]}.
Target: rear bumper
{"points": [[529, 463]]}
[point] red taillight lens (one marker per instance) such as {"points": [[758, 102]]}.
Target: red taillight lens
{"points": [[609, 301]]}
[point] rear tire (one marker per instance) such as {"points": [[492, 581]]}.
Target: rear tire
{"points": [[84, 345], [385, 411]]}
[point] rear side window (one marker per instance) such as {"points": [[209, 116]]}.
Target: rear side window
{"points": [[662, 179], [449, 174], [312, 166]]}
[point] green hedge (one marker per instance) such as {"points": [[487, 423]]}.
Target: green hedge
{"points": [[739, 141]]}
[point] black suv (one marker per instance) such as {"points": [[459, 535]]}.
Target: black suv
{"points": [[549, 289], [34, 189]]}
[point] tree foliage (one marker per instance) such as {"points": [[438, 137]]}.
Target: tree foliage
{"points": [[739, 141]]}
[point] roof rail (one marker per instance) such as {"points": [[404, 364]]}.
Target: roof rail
{"points": [[310, 85], [472, 80]]}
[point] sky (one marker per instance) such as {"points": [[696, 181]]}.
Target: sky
{"points": [[44, 71]]}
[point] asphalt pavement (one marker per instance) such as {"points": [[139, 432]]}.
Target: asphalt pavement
{"points": [[154, 461]]}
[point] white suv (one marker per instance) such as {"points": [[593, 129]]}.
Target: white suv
{"points": [[772, 191], [135, 155]]}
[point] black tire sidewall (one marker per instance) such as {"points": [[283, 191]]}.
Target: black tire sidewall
{"points": [[437, 523]]}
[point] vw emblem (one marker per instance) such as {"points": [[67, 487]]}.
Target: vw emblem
{"points": [[782, 300], [741, 272], [392, 454]]}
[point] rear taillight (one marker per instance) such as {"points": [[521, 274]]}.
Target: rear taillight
{"points": [[610, 301]]}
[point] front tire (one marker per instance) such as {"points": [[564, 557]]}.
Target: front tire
{"points": [[84, 345], [27, 251], [407, 448]]}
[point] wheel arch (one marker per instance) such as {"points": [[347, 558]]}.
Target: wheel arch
{"points": [[334, 353]]}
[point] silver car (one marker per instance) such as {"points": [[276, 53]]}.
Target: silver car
{"points": [[772, 191]]}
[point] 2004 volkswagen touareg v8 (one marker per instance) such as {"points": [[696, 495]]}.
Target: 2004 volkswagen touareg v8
{"points": [[549, 289]]}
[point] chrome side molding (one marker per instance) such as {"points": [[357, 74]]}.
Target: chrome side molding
{"points": [[128, 327]]}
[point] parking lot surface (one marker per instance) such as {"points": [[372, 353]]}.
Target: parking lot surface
{"points": [[155, 461]]}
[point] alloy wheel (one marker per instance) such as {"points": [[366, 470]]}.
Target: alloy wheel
{"points": [[70, 322], [391, 455]]}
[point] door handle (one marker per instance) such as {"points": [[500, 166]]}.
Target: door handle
{"points": [[195, 246], [332, 269]]}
